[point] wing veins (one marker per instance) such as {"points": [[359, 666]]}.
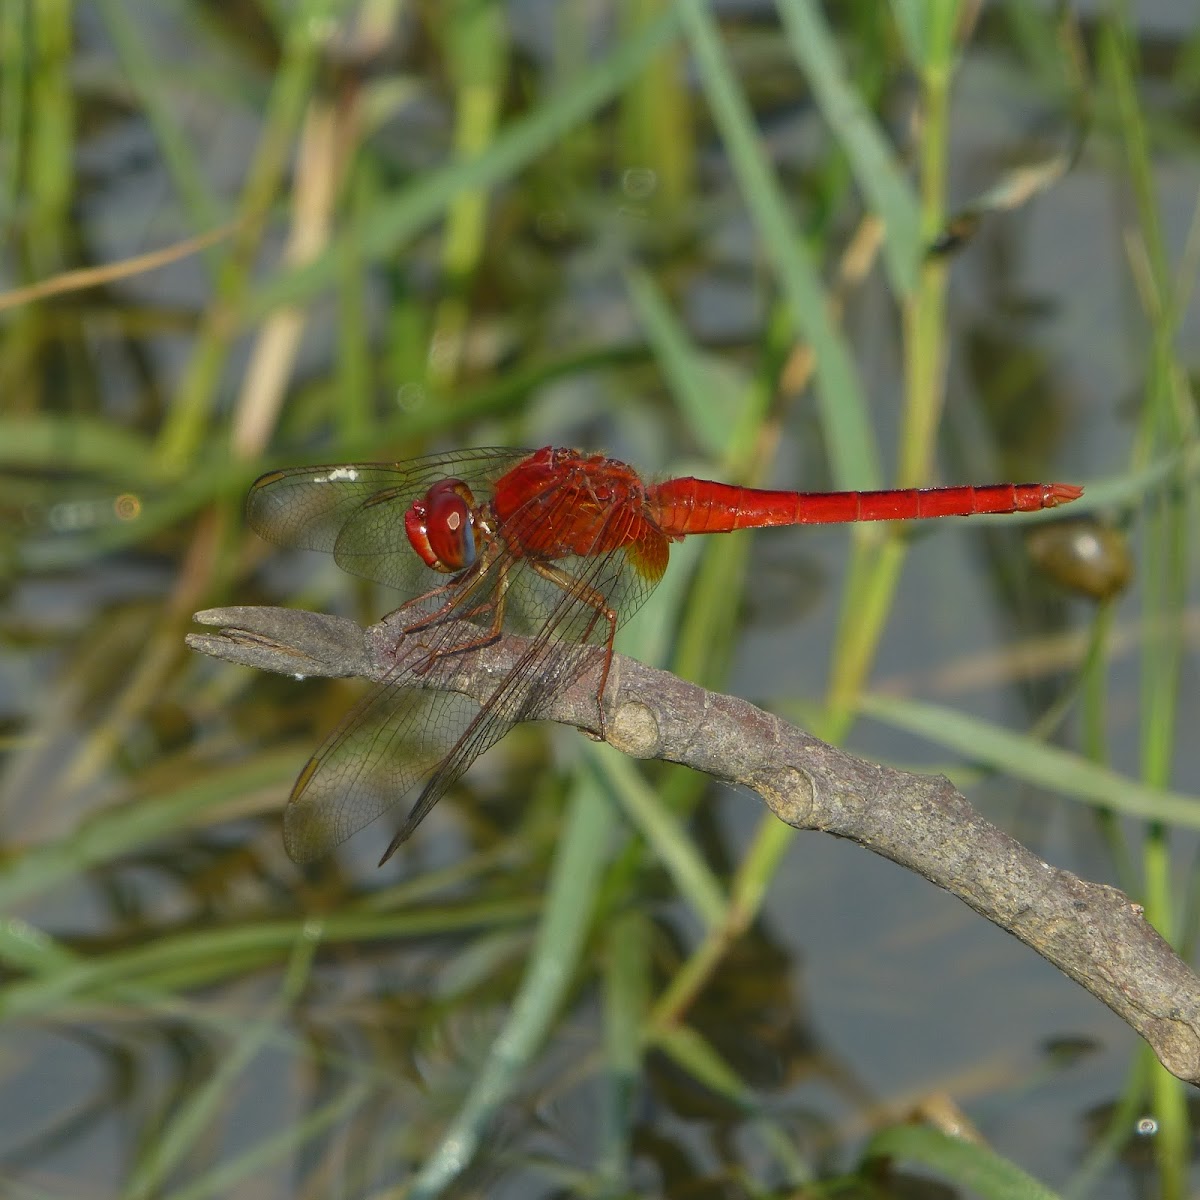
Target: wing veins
{"points": [[490, 723], [507, 705]]}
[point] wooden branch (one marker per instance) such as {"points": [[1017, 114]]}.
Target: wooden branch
{"points": [[1091, 932]]}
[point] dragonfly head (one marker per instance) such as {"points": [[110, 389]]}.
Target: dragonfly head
{"points": [[441, 526]]}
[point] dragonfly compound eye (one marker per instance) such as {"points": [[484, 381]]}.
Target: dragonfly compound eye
{"points": [[440, 526]]}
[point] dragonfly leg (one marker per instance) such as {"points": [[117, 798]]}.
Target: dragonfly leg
{"points": [[448, 613], [433, 617], [598, 603], [457, 590], [486, 637]]}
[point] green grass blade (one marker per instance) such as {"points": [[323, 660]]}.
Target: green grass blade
{"points": [[194, 1118], [152, 82], [569, 904], [976, 1168], [81, 445], [666, 835], [626, 999], [121, 830], [222, 1180], [1031, 761], [709, 409], [850, 440], [391, 224], [876, 170]]}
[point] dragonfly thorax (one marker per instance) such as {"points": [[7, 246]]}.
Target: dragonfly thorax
{"points": [[441, 526]]}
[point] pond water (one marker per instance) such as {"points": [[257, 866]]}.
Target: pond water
{"points": [[185, 1012]]}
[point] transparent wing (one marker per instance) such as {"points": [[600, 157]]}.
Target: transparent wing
{"points": [[400, 735], [355, 511], [550, 663], [396, 736]]}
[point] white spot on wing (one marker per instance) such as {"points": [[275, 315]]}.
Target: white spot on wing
{"points": [[338, 475]]}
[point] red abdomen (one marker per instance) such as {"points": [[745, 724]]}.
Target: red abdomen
{"points": [[684, 506]]}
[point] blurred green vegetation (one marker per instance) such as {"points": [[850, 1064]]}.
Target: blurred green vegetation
{"points": [[709, 241]]}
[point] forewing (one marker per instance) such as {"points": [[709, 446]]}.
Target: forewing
{"points": [[355, 511], [400, 733], [393, 738], [572, 633]]}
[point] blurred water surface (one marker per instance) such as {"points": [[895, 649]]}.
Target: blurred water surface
{"points": [[139, 948]]}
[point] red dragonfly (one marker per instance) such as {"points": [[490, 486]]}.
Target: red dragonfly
{"points": [[557, 545]]}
